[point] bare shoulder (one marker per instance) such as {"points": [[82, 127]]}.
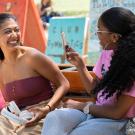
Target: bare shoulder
{"points": [[31, 52], [28, 49], [39, 62], [33, 56]]}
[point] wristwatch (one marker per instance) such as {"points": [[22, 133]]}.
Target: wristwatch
{"points": [[86, 108]]}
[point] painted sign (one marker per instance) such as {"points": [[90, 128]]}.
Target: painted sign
{"points": [[75, 29]]}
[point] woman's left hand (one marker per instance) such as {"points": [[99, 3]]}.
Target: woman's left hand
{"points": [[39, 113], [74, 104]]}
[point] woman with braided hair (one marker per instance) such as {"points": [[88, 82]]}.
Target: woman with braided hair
{"points": [[113, 86]]}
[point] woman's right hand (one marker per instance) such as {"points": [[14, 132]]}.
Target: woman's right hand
{"points": [[39, 113], [74, 58]]}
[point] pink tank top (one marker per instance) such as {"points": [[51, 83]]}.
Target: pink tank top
{"points": [[28, 91]]}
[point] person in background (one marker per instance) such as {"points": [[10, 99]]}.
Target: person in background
{"points": [[8, 7], [45, 9], [27, 76], [113, 86], [46, 12]]}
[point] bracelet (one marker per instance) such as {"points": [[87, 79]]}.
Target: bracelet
{"points": [[86, 108], [49, 107]]}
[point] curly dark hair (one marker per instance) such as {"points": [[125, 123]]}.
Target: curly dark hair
{"points": [[121, 74]]}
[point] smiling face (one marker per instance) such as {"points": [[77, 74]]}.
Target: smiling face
{"points": [[9, 33]]}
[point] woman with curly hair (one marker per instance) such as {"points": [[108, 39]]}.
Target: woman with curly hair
{"points": [[113, 86]]}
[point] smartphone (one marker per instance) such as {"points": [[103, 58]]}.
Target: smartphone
{"points": [[64, 42]]}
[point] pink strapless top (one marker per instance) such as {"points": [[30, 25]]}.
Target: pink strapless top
{"points": [[28, 91]]}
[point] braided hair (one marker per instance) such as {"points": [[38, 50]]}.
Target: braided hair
{"points": [[121, 74]]}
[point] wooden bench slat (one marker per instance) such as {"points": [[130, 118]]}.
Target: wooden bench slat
{"points": [[76, 86]]}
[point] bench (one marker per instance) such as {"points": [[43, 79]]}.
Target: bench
{"points": [[77, 90]]}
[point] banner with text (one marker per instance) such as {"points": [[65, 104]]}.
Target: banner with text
{"points": [[75, 29], [97, 7]]}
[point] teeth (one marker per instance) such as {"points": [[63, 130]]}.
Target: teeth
{"points": [[13, 42]]}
